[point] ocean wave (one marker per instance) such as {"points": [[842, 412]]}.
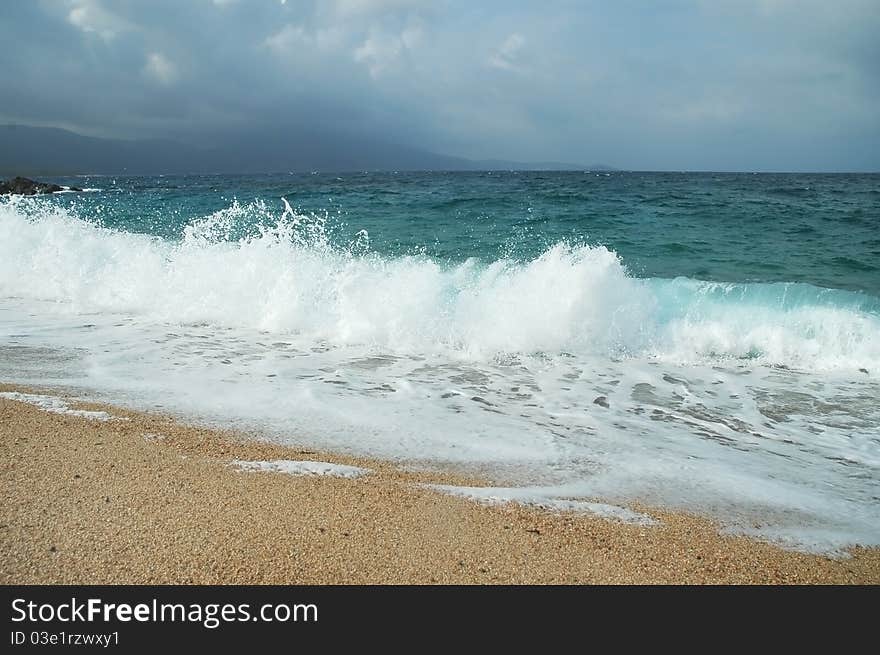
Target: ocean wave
{"points": [[67, 189], [248, 266]]}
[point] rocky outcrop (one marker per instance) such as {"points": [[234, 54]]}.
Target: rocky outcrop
{"points": [[24, 186]]}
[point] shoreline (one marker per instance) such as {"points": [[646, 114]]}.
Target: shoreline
{"points": [[151, 500]]}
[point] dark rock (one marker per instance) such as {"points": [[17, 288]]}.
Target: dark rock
{"points": [[601, 400], [863, 370], [25, 187]]}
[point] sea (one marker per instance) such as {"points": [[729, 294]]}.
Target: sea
{"points": [[702, 342]]}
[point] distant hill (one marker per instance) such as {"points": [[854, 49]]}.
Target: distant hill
{"points": [[28, 150]]}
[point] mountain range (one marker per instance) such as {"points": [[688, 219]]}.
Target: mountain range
{"points": [[27, 150]]}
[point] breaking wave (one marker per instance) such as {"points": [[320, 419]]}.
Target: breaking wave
{"points": [[244, 266]]}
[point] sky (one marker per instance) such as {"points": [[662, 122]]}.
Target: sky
{"points": [[645, 85]]}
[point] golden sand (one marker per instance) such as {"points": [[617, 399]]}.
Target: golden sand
{"points": [[149, 500]]}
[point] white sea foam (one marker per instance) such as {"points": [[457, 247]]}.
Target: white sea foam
{"points": [[545, 497], [55, 405], [288, 279], [305, 467]]}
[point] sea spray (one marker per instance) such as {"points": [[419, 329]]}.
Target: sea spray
{"points": [[283, 274]]}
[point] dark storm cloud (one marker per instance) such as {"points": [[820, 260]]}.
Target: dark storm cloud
{"points": [[689, 84]]}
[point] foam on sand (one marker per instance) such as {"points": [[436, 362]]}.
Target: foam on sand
{"points": [[544, 498], [56, 405], [294, 467]]}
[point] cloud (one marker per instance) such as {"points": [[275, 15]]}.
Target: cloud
{"points": [[691, 84], [291, 39], [91, 17], [288, 38], [160, 68], [507, 55], [381, 50]]}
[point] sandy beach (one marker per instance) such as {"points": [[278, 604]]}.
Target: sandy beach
{"points": [[150, 500]]}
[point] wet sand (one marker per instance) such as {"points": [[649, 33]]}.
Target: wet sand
{"points": [[150, 500]]}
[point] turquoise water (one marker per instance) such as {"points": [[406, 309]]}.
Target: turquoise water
{"points": [[700, 341], [820, 229]]}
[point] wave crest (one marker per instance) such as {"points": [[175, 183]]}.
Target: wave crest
{"points": [[249, 267]]}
